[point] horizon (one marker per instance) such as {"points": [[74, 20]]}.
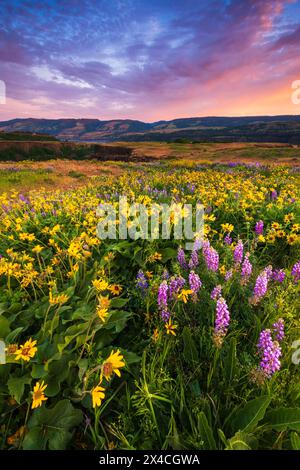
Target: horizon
{"points": [[159, 62], [150, 122]]}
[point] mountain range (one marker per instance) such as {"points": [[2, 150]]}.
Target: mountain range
{"points": [[285, 129]]}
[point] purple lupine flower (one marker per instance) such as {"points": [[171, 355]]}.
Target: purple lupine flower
{"points": [[228, 274], [296, 271], [278, 328], [278, 275], [265, 340], [274, 195], [194, 261], [211, 258], [259, 227], [221, 322], [165, 315], [194, 282], [238, 252], [228, 239], [216, 292], [197, 244], [269, 272], [162, 296], [270, 353], [141, 281], [165, 275], [181, 258], [246, 269], [176, 283], [261, 287]]}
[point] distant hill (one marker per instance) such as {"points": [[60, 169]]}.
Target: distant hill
{"points": [[284, 129], [25, 136]]}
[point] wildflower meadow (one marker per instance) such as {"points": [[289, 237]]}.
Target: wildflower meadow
{"points": [[143, 343]]}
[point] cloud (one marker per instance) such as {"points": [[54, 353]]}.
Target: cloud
{"points": [[147, 60]]}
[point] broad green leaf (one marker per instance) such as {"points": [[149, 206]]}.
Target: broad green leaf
{"points": [[167, 254], [16, 386], [283, 418], [247, 417], [206, 432], [4, 327], [118, 303], [12, 336], [52, 427]]}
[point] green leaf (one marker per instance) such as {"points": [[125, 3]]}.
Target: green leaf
{"points": [[206, 433], [247, 417], [130, 357], [190, 352], [284, 418], [52, 428], [295, 441], [118, 303], [167, 254], [230, 361], [240, 441], [16, 386], [12, 336], [4, 327], [117, 320]]}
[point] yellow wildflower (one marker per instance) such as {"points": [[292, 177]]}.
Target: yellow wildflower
{"points": [[112, 364], [98, 395], [170, 327], [26, 351], [184, 294], [38, 395]]}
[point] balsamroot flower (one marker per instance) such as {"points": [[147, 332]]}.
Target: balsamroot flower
{"points": [[112, 365], [238, 252], [246, 269], [270, 353], [278, 328], [216, 292], [296, 271], [38, 395], [26, 351], [98, 394], [222, 321], [259, 227], [211, 257], [170, 328], [181, 258]]}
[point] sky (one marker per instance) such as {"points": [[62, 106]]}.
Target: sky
{"points": [[148, 59]]}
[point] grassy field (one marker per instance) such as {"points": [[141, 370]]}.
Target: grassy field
{"points": [[140, 343], [60, 173]]}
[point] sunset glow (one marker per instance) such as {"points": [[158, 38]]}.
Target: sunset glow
{"points": [[148, 60]]}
